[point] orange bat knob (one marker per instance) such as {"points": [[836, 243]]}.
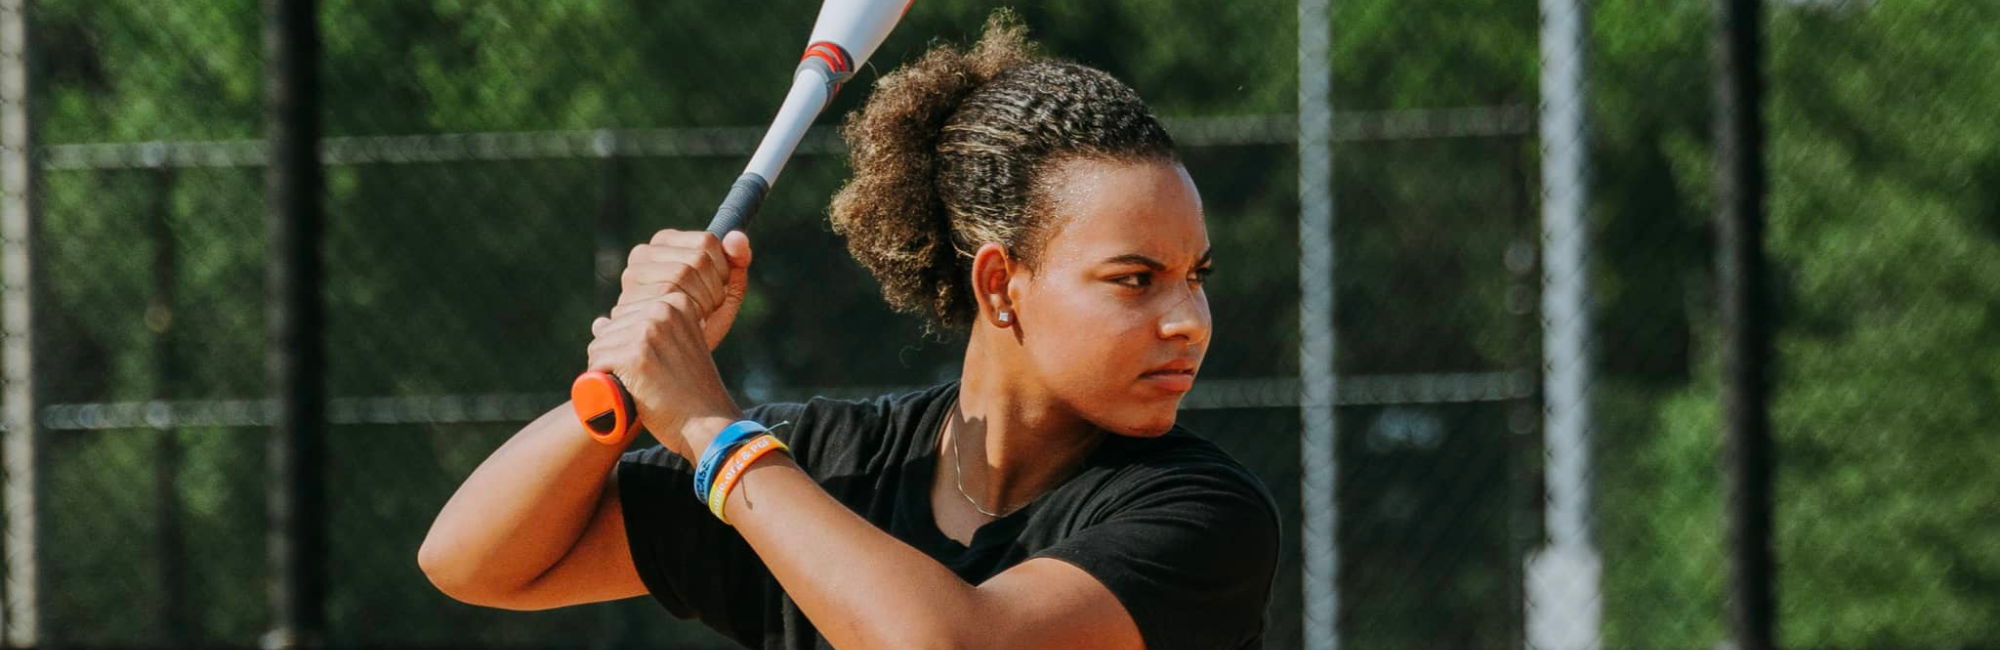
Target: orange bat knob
{"points": [[604, 407]]}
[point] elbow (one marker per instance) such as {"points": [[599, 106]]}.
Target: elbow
{"points": [[439, 569], [460, 580], [454, 579]]}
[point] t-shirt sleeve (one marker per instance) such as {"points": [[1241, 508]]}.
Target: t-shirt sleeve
{"points": [[1191, 554], [693, 564]]}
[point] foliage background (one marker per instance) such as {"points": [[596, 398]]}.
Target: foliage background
{"points": [[476, 278]]}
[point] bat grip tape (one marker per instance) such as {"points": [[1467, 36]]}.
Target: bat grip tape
{"points": [[745, 195]]}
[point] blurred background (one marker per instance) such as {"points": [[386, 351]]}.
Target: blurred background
{"points": [[487, 165]]}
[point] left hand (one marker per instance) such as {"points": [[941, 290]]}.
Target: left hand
{"points": [[658, 339]]}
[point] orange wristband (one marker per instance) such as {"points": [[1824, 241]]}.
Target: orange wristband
{"points": [[739, 462]]}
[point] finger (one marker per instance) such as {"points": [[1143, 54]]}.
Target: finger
{"points": [[655, 253], [708, 259], [657, 282], [700, 250], [597, 325], [638, 275], [628, 311], [736, 246], [684, 266], [638, 313], [681, 238], [601, 354], [641, 293], [705, 265], [717, 253], [672, 311], [612, 334]]}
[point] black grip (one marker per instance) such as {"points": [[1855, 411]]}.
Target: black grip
{"points": [[745, 195]]}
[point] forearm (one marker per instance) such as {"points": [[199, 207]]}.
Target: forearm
{"points": [[861, 587], [521, 510]]}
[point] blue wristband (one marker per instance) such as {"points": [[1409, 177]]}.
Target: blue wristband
{"points": [[735, 434]]}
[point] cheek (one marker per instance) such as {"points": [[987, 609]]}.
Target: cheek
{"points": [[1090, 333], [1089, 348]]}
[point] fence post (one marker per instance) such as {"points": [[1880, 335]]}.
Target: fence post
{"points": [[295, 349], [20, 238], [1745, 329], [1319, 473], [1564, 576]]}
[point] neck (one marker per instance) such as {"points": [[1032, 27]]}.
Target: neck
{"points": [[1014, 441]]}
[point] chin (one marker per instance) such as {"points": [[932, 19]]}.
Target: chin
{"points": [[1152, 426]]}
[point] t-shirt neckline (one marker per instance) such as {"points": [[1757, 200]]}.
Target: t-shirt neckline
{"points": [[924, 474]]}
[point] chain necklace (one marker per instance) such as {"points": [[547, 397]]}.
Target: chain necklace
{"points": [[958, 470]]}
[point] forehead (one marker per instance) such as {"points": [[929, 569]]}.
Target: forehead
{"points": [[1107, 208]]}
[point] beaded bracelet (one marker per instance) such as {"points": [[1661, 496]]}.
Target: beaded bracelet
{"points": [[740, 462]]}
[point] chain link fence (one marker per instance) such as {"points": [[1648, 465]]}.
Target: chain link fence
{"points": [[1507, 306]]}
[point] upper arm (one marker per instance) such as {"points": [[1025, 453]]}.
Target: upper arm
{"points": [[1048, 603], [596, 569], [1187, 557]]}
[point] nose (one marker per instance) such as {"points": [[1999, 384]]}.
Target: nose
{"points": [[1188, 318]]}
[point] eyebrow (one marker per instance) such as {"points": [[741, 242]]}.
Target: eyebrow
{"points": [[1141, 260]]}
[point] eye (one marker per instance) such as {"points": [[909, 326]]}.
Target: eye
{"points": [[1136, 280], [1200, 275]]}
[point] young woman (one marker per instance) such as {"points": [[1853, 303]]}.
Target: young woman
{"points": [[1046, 499]]}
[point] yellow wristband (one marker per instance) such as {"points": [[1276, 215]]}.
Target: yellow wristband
{"points": [[739, 462]]}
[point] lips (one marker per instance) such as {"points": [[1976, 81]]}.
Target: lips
{"points": [[1176, 376]]}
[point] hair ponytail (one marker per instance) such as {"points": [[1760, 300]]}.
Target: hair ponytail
{"points": [[948, 148]]}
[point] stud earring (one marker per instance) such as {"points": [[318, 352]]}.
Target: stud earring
{"points": [[1006, 317]]}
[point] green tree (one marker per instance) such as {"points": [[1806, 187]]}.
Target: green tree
{"points": [[1883, 240]]}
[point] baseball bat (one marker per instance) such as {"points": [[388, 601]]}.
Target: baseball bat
{"points": [[844, 35]]}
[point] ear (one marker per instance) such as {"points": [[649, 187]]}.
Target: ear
{"points": [[994, 274]]}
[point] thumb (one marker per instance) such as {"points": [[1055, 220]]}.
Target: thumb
{"points": [[736, 246]]}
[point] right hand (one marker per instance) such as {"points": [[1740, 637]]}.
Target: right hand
{"points": [[679, 295]]}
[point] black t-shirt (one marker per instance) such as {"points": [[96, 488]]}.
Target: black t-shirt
{"points": [[1182, 534]]}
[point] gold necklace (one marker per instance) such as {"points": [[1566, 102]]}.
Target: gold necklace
{"points": [[959, 471]]}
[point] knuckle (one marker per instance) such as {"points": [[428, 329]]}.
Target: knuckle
{"points": [[680, 273], [684, 307], [711, 246], [637, 253]]}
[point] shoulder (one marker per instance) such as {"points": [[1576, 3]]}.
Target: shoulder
{"points": [[1180, 465], [1185, 482], [1184, 536]]}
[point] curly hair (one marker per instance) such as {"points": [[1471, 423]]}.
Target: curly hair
{"points": [[956, 150]]}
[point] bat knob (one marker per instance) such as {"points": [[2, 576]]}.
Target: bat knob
{"points": [[604, 407]]}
